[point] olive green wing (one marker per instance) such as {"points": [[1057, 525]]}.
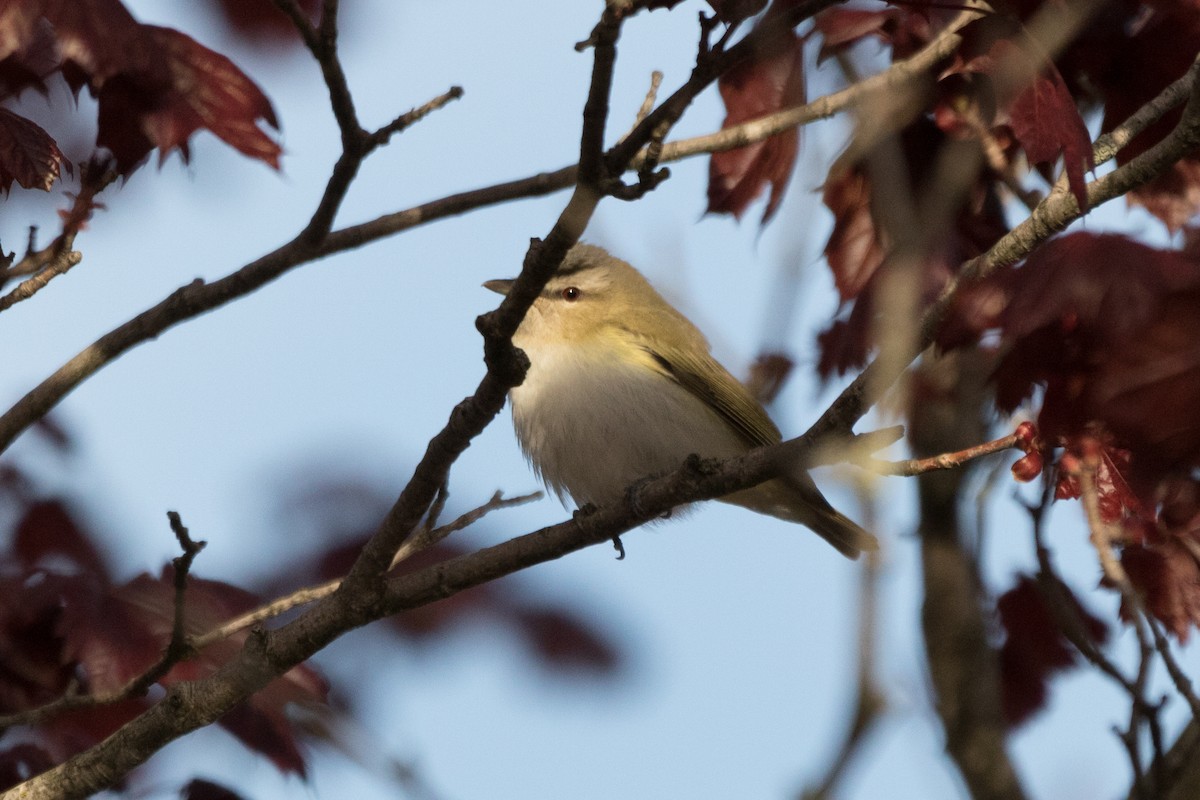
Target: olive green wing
{"points": [[707, 380]]}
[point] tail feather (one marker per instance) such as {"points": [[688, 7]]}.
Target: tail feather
{"points": [[801, 501]]}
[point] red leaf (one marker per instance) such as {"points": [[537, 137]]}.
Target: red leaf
{"points": [[562, 640], [109, 638], [753, 89], [734, 10], [28, 155], [1173, 196], [1046, 123], [48, 532], [261, 722], [1027, 467], [1129, 61], [18, 21], [32, 668], [1034, 648], [1167, 575], [1044, 118], [262, 19], [200, 789], [1111, 328], [100, 39], [854, 251], [21, 762], [204, 90], [842, 27]]}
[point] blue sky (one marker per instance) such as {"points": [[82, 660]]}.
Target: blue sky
{"points": [[739, 628]]}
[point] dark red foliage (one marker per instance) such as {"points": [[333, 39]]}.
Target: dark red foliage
{"points": [[854, 249], [564, 641], [1026, 92], [733, 10], [903, 28], [203, 89], [858, 246], [767, 83], [262, 19], [1047, 125], [1111, 329], [1167, 575], [63, 620], [1034, 648], [27, 154], [47, 532], [200, 789], [155, 87], [21, 762], [558, 638], [1129, 54]]}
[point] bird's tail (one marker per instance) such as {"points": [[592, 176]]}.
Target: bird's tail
{"points": [[801, 501]]}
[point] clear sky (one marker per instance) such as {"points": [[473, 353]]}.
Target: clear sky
{"points": [[739, 628]]}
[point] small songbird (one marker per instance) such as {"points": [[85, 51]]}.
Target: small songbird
{"points": [[622, 386]]}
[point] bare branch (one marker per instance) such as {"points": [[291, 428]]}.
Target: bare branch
{"points": [[916, 466], [409, 118]]}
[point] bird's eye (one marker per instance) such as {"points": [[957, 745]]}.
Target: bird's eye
{"points": [[571, 294]]}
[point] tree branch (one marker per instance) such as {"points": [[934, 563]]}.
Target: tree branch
{"points": [[916, 466]]}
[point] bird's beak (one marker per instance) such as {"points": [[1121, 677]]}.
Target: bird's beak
{"points": [[499, 286]]}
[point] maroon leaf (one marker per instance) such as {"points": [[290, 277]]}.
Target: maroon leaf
{"points": [[1128, 60], [1047, 124], [28, 155], [854, 251], [204, 89], [109, 639], [1168, 577], [1042, 113], [262, 19], [564, 641], [48, 532], [32, 668], [201, 789], [1034, 648], [733, 10], [754, 88], [841, 27], [857, 249], [78, 729], [1111, 328], [21, 762], [18, 21], [1174, 196], [100, 39]]}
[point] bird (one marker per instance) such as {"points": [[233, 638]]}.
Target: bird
{"points": [[622, 386]]}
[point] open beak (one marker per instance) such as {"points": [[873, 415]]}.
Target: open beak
{"points": [[499, 286]]}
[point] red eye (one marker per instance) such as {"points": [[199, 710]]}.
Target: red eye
{"points": [[571, 294]]}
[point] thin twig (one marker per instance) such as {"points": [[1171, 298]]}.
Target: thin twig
{"points": [[406, 120], [58, 265], [917, 466], [311, 594]]}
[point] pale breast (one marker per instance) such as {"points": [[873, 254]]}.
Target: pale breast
{"points": [[592, 424]]}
